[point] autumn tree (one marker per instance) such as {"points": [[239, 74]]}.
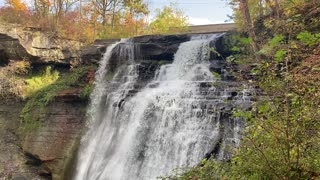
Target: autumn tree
{"points": [[168, 20], [15, 11], [42, 7], [61, 7], [17, 5]]}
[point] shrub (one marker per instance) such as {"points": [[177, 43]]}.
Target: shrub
{"points": [[41, 81], [11, 85], [40, 98]]}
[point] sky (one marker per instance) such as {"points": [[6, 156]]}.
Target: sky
{"points": [[199, 11]]}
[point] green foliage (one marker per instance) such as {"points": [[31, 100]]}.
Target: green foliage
{"points": [[86, 91], [168, 20], [309, 39], [207, 170], [216, 52], [42, 97], [216, 75], [272, 45], [279, 56], [278, 143], [243, 114], [41, 81]]}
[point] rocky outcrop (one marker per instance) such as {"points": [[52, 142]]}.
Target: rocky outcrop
{"points": [[17, 43], [159, 47], [93, 53]]}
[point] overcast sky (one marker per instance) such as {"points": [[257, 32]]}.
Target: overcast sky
{"points": [[198, 11]]}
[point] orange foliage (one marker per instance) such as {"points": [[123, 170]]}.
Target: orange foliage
{"points": [[17, 5]]}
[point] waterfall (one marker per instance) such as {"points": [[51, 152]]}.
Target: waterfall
{"points": [[173, 121]]}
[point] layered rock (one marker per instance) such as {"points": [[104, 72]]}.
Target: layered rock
{"points": [[55, 142], [17, 43], [13, 162]]}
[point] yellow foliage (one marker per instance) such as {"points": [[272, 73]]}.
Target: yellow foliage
{"points": [[36, 83], [17, 5]]}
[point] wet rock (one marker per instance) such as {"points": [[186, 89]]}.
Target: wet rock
{"points": [[159, 47], [93, 53]]}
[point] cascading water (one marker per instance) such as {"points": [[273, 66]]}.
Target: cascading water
{"points": [[174, 121]]}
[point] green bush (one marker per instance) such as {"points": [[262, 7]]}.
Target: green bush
{"points": [[309, 39], [43, 96], [41, 81]]}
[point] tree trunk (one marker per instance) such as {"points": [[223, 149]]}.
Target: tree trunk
{"points": [[245, 10]]}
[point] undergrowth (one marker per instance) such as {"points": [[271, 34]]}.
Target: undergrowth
{"points": [[43, 96]]}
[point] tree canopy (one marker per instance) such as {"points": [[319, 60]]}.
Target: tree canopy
{"points": [[93, 19]]}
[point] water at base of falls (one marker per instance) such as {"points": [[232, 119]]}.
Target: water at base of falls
{"points": [[162, 127]]}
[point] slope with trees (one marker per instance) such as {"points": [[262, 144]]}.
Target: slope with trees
{"points": [[281, 141]]}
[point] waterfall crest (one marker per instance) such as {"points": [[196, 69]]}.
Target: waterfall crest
{"points": [[174, 121]]}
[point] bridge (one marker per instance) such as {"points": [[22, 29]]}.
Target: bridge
{"points": [[210, 28]]}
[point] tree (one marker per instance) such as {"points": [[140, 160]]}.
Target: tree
{"points": [[17, 5], [42, 7], [246, 13], [168, 20], [61, 7], [105, 8]]}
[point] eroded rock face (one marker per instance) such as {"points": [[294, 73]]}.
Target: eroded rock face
{"points": [[13, 162], [55, 143], [17, 43]]}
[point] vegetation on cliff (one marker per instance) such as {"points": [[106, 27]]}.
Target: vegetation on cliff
{"points": [[280, 43], [51, 85]]}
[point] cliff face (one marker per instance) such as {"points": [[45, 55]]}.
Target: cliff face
{"points": [[17, 43], [13, 162], [44, 152], [49, 151]]}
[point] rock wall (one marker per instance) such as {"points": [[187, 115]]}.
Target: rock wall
{"points": [[45, 152], [18, 43], [54, 144], [13, 162]]}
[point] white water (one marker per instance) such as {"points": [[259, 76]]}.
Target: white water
{"points": [[158, 129]]}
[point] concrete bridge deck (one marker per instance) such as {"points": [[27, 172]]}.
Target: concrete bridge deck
{"points": [[211, 28]]}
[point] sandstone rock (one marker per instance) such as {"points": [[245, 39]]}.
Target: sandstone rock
{"points": [[17, 42], [69, 95], [12, 159], [54, 143]]}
